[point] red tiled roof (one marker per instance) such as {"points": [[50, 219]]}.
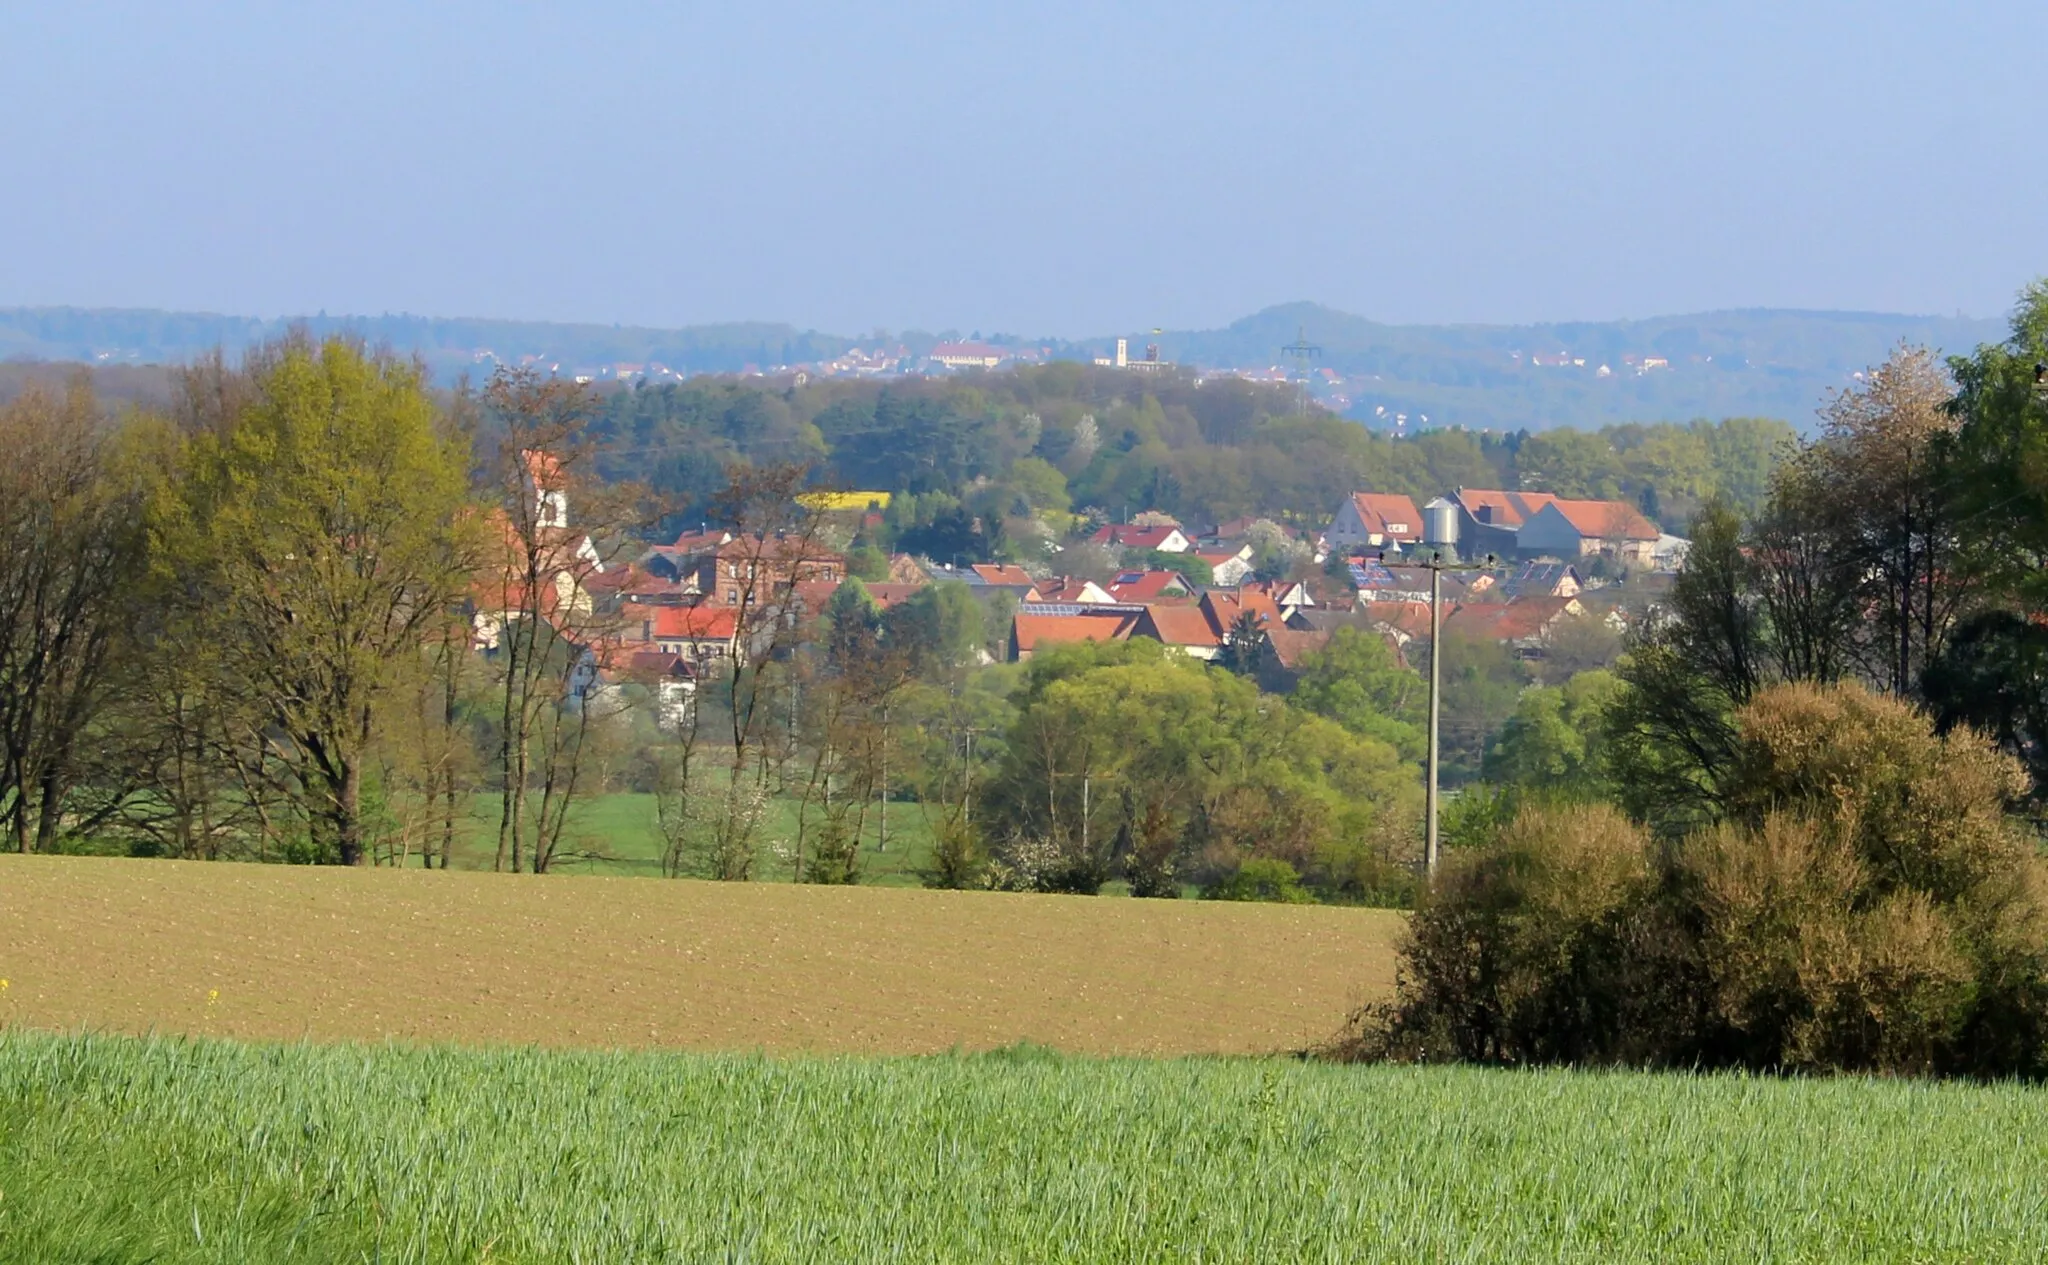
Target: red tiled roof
{"points": [[1003, 573], [1410, 619], [1508, 509], [1290, 644], [1511, 621], [687, 623], [1031, 631], [1607, 520], [1224, 607], [1180, 626], [1139, 587], [701, 541], [1389, 514]]}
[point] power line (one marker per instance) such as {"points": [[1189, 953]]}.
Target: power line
{"points": [[1303, 351]]}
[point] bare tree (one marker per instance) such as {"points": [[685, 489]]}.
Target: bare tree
{"points": [[547, 628], [71, 547]]}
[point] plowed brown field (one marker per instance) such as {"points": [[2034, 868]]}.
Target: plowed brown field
{"points": [[288, 953]]}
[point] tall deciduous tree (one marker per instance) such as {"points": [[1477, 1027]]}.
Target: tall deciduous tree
{"points": [[70, 549], [322, 514]]}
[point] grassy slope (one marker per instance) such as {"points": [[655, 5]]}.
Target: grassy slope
{"points": [[123, 1150], [617, 833]]}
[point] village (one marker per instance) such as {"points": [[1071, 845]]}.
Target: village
{"points": [[1520, 569]]}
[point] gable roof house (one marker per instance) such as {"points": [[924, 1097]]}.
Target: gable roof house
{"points": [[1491, 521], [1579, 529], [1375, 520], [1541, 579], [1031, 631], [990, 577], [1162, 539], [1142, 587], [1280, 667], [1067, 591], [1524, 625], [697, 634], [1188, 629], [1228, 569]]}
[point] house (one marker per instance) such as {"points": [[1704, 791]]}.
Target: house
{"points": [[1071, 592], [1188, 629], [1286, 650], [1228, 569], [1288, 597], [700, 634], [1580, 529], [678, 562], [1160, 539], [1488, 522], [990, 577], [1375, 520], [813, 596], [969, 355], [672, 678], [1402, 622], [756, 569], [1669, 553], [1541, 579], [1224, 608], [1524, 625], [545, 571], [1139, 588], [1031, 631], [904, 569]]}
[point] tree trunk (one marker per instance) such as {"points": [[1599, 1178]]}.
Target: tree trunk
{"points": [[348, 816]]}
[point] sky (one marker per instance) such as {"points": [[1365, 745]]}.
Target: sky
{"points": [[1037, 169]]}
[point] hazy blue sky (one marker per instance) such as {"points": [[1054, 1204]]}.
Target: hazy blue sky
{"points": [[1032, 168]]}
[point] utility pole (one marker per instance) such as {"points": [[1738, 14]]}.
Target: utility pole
{"points": [[1436, 673], [1303, 351], [1437, 566], [1084, 816]]}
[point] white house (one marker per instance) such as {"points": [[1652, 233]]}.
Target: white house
{"points": [[1375, 520]]}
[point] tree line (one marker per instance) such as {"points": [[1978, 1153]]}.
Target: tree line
{"points": [[1020, 451], [1798, 825]]}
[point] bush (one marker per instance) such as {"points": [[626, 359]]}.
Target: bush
{"points": [[1865, 904], [957, 859], [1263, 878]]}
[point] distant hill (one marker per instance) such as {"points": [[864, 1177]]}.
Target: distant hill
{"points": [[1717, 364], [1763, 363]]}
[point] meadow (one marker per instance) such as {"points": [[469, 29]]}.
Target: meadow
{"points": [[616, 833], [119, 1149]]}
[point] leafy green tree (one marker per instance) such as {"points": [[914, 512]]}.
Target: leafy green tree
{"points": [[1116, 750], [940, 626], [323, 523], [1552, 744], [1356, 681], [865, 562]]}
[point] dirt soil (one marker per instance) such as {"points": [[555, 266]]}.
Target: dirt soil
{"points": [[275, 952]]}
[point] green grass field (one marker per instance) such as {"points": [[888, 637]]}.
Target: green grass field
{"points": [[617, 833], [118, 1150]]}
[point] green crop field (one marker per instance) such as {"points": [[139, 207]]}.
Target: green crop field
{"points": [[120, 1149], [617, 833]]}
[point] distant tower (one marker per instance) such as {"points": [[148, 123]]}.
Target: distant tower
{"points": [[1123, 352], [1303, 351]]}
